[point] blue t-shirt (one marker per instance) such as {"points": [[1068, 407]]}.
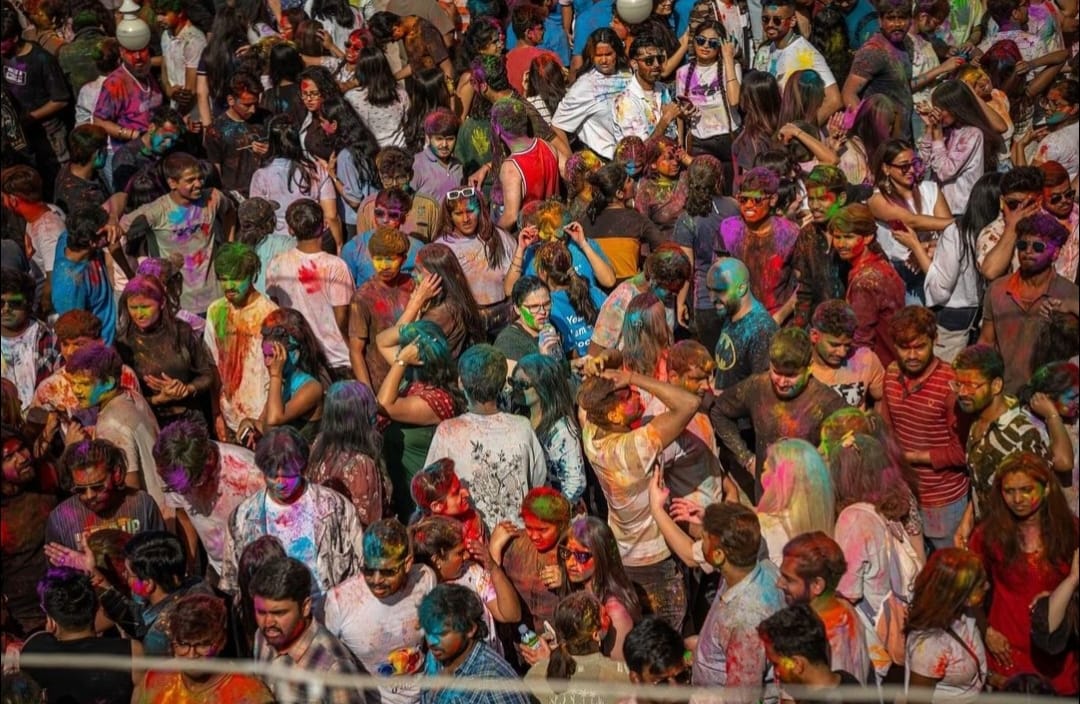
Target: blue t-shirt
{"points": [[573, 329], [84, 286], [592, 19], [358, 259], [578, 260], [681, 9], [554, 39], [862, 23]]}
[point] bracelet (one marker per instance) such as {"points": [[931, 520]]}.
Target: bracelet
{"points": [[400, 362]]}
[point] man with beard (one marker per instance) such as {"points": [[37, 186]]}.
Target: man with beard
{"points": [[435, 168], [647, 108], [165, 129], [798, 650], [763, 242], [289, 636], [1016, 307], [883, 63], [784, 402], [1057, 200], [93, 471], [129, 96], [814, 261], [745, 325], [919, 408], [785, 52], [185, 222], [234, 338], [812, 567]]}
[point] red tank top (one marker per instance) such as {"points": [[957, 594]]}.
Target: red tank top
{"points": [[539, 169]]}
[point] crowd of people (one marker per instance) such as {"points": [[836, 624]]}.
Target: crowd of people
{"points": [[731, 344]]}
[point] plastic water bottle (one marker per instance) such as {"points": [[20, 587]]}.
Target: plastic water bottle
{"points": [[529, 639]]}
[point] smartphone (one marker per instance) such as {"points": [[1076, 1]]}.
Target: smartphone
{"points": [[897, 225]]}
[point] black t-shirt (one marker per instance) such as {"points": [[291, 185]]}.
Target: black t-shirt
{"points": [[73, 193], [228, 144], [35, 78], [515, 343], [75, 686], [127, 161]]}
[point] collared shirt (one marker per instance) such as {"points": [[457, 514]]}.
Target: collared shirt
{"points": [[587, 109], [484, 663], [315, 650], [1015, 430], [180, 53], [1017, 322], [636, 111], [29, 358], [431, 175], [128, 102], [729, 651]]}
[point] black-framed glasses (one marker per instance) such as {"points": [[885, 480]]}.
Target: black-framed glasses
{"points": [[1038, 246], [746, 199], [1013, 204], [383, 572], [1055, 198], [580, 556], [198, 648], [777, 20], [460, 193], [905, 168], [711, 42], [384, 214], [537, 307], [652, 59]]}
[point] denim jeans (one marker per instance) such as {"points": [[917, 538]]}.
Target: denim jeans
{"points": [[665, 590]]}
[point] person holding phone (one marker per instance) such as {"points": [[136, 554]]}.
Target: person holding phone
{"points": [[236, 139]]}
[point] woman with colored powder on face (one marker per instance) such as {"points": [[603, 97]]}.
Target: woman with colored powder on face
{"points": [[945, 648], [590, 557], [297, 367], [171, 360], [1026, 543], [646, 337], [661, 194], [797, 495], [483, 250], [1052, 395], [532, 331]]}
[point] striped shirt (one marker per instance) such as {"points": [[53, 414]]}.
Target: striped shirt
{"points": [[71, 522], [922, 415], [1015, 430]]}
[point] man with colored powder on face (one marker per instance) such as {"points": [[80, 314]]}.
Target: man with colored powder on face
{"points": [[496, 454], [530, 170], [315, 283], [746, 327], [123, 417], [784, 402], [290, 636], [763, 242], [883, 63], [648, 107], [185, 223], [811, 569], [797, 649], [182, 45], [392, 207], [94, 471], [22, 192], [814, 262], [853, 372], [234, 338], [1058, 201], [395, 166], [786, 51], [452, 617], [28, 349], [920, 409], [530, 557], [374, 614], [1016, 308], [164, 129], [204, 483], [435, 168], [235, 141], [667, 270], [316, 525]]}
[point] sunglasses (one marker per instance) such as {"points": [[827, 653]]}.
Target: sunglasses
{"points": [[1015, 204], [520, 384], [384, 214], [756, 200], [767, 20], [1055, 198], [651, 59], [14, 303], [383, 572], [80, 489], [580, 556], [711, 42], [1037, 246], [461, 193], [905, 168]]}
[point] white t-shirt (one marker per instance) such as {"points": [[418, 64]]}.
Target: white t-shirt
{"points": [[928, 195], [180, 53], [384, 635], [479, 580], [45, 235], [238, 479], [959, 663], [799, 55], [19, 361], [313, 284]]}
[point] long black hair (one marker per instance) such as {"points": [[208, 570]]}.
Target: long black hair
{"points": [[481, 32], [958, 98], [373, 73], [604, 35], [337, 11], [759, 98], [606, 183], [283, 136], [439, 259], [284, 64], [352, 134], [427, 91], [554, 263], [720, 84], [983, 208], [227, 34]]}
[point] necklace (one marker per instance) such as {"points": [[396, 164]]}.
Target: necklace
{"points": [[145, 89]]}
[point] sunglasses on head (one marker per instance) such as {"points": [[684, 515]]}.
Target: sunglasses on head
{"points": [[651, 59], [711, 42], [461, 193], [580, 556], [384, 214], [1037, 246]]}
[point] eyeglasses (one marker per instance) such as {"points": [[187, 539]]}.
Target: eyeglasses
{"points": [[312, 94], [384, 214], [1013, 204], [777, 20], [383, 572], [746, 200], [680, 677], [652, 59], [580, 556], [1038, 246], [80, 489], [711, 42], [460, 193], [198, 648], [906, 168], [1055, 198], [961, 386], [537, 307], [14, 303], [520, 384]]}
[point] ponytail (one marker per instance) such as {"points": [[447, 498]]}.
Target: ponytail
{"points": [[561, 664], [606, 182]]}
